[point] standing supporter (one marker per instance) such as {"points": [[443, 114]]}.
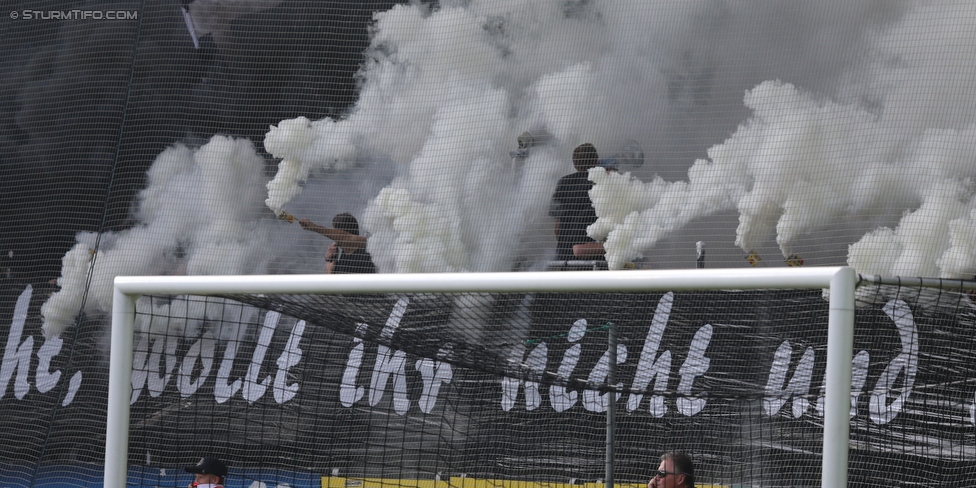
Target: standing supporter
{"points": [[571, 205], [347, 254]]}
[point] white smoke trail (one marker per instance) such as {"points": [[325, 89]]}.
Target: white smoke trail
{"points": [[780, 170], [450, 111], [919, 246], [901, 138], [200, 213], [420, 223]]}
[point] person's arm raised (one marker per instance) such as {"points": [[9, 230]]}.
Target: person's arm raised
{"points": [[348, 242]]}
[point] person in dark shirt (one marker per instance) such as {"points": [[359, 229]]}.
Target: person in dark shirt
{"points": [[209, 472], [571, 205], [347, 254]]}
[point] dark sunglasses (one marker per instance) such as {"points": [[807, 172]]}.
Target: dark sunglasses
{"points": [[662, 473]]}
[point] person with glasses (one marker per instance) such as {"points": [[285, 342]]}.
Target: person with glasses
{"points": [[675, 471]]}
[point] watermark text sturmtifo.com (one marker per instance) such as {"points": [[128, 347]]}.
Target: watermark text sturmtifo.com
{"points": [[28, 14]]}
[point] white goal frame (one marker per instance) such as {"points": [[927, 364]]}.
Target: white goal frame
{"points": [[841, 281]]}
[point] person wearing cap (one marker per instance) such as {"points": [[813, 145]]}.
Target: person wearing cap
{"points": [[209, 471], [571, 204]]}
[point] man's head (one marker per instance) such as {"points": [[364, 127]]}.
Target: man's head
{"points": [[585, 157], [346, 222], [675, 471], [208, 470]]}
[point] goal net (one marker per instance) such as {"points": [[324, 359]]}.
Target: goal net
{"points": [[497, 379]]}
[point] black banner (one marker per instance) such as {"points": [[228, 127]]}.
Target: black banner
{"points": [[414, 387]]}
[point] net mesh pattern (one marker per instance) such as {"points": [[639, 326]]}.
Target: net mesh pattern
{"points": [[223, 137], [514, 386]]}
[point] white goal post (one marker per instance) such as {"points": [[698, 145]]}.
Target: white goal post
{"points": [[840, 280]]}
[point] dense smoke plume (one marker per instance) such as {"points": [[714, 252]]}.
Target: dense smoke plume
{"points": [[831, 130], [200, 214]]}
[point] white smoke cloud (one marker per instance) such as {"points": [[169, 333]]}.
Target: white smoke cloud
{"points": [[186, 316], [823, 137], [893, 138], [200, 213], [60, 310], [798, 118], [918, 246], [789, 169], [444, 95], [421, 222], [417, 223]]}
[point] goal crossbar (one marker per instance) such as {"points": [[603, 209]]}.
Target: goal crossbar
{"points": [[841, 281]]}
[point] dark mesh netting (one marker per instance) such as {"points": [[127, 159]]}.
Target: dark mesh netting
{"points": [[283, 137]]}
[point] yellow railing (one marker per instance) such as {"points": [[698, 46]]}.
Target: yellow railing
{"points": [[463, 482]]}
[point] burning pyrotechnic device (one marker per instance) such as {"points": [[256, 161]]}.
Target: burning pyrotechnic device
{"points": [[794, 261], [287, 217], [753, 258]]}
